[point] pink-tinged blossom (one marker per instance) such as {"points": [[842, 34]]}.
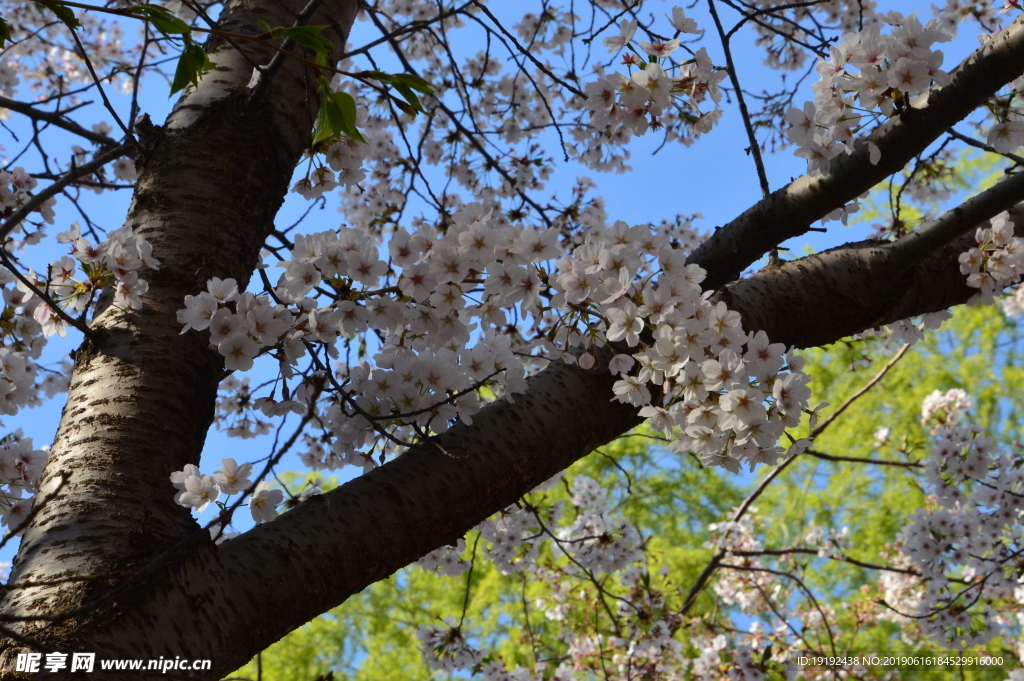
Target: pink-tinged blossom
{"points": [[238, 350], [16, 514], [223, 290], [263, 502], [660, 48], [199, 492], [681, 23], [129, 289], [233, 478], [631, 390], [656, 82], [802, 122], [626, 30], [621, 364], [1006, 137], [178, 479], [624, 323], [198, 312], [909, 75]]}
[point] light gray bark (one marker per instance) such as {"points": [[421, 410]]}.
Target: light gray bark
{"points": [[142, 395]]}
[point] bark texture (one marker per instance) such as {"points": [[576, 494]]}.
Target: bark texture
{"points": [[142, 395], [823, 297]]}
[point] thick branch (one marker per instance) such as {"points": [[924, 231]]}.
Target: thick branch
{"points": [[827, 296], [790, 211], [334, 545]]}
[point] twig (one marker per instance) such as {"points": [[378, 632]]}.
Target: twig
{"points": [[55, 118], [984, 147], [69, 177], [755, 149], [103, 94], [526, 53], [854, 397], [267, 73], [469, 579], [853, 459]]}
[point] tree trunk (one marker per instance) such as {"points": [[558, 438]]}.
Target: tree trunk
{"points": [[142, 395]]}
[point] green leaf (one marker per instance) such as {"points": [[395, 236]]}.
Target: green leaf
{"points": [[322, 129], [412, 81], [63, 13], [410, 96], [305, 36], [405, 84], [5, 33], [191, 64], [406, 79], [346, 108], [337, 115], [162, 19]]}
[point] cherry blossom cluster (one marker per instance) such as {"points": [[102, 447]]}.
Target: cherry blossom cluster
{"points": [[114, 262], [725, 389], [16, 190], [595, 540], [995, 262], [640, 636], [241, 415], [944, 407], [424, 376], [22, 345], [20, 467], [655, 83], [966, 543], [440, 305], [892, 70], [197, 491], [241, 326], [986, 13], [343, 168], [960, 556], [912, 330]]}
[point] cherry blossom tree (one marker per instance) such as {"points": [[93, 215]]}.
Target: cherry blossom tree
{"points": [[461, 337]]}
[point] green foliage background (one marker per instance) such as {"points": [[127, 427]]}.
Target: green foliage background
{"points": [[672, 499]]}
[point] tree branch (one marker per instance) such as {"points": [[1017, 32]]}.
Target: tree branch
{"points": [[55, 118], [55, 188], [824, 297], [790, 211]]}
